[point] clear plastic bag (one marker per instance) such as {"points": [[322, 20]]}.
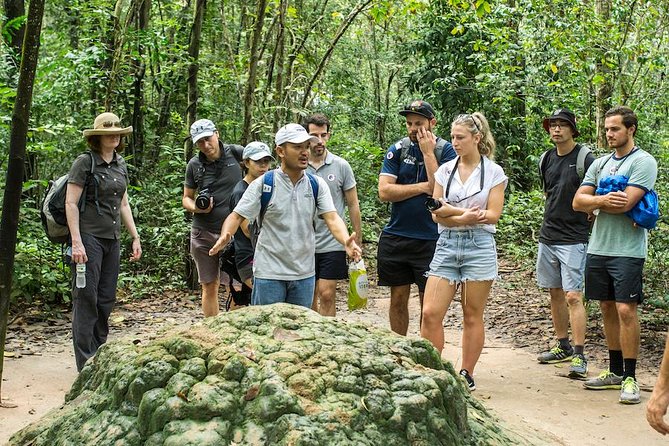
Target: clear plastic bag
{"points": [[357, 285]]}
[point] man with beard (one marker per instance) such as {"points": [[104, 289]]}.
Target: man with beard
{"points": [[563, 240], [617, 250], [283, 263], [408, 241], [330, 254]]}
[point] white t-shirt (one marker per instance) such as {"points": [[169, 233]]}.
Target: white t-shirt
{"points": [[493, 176]]}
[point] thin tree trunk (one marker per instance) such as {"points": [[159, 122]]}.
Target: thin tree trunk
{"points": [[11, 202], [141, 11], [193, 68], [604, 90], [277, 99], [249, 94], [191, 114]]}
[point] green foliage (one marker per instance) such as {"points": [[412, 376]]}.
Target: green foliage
{"points": [[365, 159], [40, 274], [518, 228]]}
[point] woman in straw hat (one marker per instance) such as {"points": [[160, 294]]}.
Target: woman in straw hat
{"points": [[95, 231]]}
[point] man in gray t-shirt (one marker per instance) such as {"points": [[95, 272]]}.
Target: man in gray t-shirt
{"points": [[283, 268], [330, 254], [213, 174]]}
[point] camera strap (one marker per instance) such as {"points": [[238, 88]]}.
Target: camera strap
{"points": [[455, 169]]}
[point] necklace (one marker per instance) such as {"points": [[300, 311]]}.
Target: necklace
{"points": [[614, 169]]}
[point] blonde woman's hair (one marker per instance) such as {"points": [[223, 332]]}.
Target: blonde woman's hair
{"points": [[476, 123]]}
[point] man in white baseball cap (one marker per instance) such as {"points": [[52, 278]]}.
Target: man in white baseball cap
{"points": [[284, 269], [211, 176]]}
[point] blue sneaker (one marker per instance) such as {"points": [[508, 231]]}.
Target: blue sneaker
{"points": [[578, 367]]}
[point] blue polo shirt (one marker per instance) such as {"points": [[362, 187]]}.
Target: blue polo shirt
{"points": [[409, 218]]}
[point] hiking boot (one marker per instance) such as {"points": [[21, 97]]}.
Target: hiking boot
{"points": [[469, 381], [578, 367], [629, 391], [605, 380], [556, 354]]}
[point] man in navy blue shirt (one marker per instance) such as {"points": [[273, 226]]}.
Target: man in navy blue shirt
{"points": [[408, 241]]}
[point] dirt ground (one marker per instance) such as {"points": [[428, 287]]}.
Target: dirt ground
{"points": [[535, 400]]}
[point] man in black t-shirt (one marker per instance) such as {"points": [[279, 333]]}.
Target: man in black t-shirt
{"points": [[563, 241], [211, 175]]}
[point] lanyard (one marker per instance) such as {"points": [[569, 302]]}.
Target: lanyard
{"points": [[450, 179]]}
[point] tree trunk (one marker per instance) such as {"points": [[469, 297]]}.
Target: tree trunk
{"points": [[277, 98], [193, 68], [11, 202], [604, 90], [249, 94], [141, 10], [191, 115]]}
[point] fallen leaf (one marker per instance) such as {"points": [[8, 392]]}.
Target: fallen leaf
{"points": [[252, 393]]}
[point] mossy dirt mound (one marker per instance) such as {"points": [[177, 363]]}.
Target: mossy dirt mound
{"points": [[271, 375]]}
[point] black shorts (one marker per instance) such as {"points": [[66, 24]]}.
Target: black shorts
{"points": [[331, 265], [614, 278], [403, 261]]}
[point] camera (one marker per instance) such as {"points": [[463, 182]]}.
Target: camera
{"points": [[432, 204], [203, 198]]}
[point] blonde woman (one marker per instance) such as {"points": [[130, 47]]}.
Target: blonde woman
{"points": [[469, 196]]}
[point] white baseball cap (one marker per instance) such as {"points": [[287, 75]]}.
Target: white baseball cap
{"points": [[294, 133], [256, 150], [201, 128]]}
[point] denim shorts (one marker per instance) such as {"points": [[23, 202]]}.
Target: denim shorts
{"points": [[463, 255], [270, 291], [561, 266]]}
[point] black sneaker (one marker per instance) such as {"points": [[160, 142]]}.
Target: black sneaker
{"points": [[556, 354], [466, 377]]}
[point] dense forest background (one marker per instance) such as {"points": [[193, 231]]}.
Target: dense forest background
{"points": [[253, 66]]}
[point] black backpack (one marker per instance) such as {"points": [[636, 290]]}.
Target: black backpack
{"points": [[228, 266], [52, 210]]}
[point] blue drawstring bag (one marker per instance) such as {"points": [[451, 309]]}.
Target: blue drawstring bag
{"points": [[645, 213], [647, 210], [612, 183]]}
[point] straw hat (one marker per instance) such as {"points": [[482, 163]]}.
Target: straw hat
{"points": [[107, 124]]}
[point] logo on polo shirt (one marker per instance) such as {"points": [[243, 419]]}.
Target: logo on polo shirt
{"points": [[332, 177]]}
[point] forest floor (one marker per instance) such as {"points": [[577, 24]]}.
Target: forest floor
{"points": [[537, 401]]}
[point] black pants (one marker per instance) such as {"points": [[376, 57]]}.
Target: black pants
{"points": [[92, 305]]}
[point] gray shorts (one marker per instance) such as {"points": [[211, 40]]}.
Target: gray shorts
{"points": [[208, 267], [561, 266]]}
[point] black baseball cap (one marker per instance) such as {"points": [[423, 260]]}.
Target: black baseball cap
{"points": [[419, 107], [566, 115]]}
